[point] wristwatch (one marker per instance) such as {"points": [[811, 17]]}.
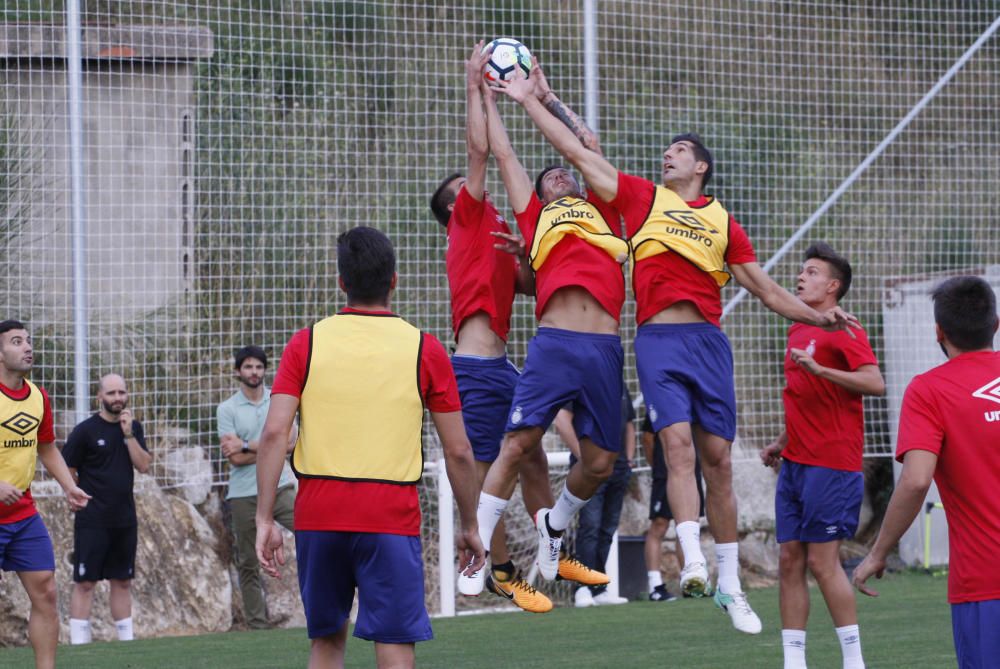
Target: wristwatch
{"points": [[246, 447]]}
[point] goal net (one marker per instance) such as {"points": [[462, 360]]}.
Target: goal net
{"points": [[183, 200]]}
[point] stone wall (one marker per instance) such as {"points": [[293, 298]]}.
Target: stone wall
{"points": [[184, 580]]}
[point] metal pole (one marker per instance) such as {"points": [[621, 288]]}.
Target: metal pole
{"points": [[446, 541], [590, 112], [876, 152], [74, 62]]}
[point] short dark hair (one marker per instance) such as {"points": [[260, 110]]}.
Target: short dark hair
{"points": [[366, 262], [442, 197], [255, 352], [838, 263], [965, 308], [541, 175], [701, 153], [11, 324]]}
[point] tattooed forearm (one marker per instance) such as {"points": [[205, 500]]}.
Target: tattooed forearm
{"points": [[570, 119]]}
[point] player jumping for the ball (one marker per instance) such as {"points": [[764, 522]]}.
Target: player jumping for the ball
{"points": [[680, 243], [576, 251], [482, 281]]}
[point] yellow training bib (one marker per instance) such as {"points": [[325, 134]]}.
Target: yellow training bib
{"points": [[574, 216], [361, 411], [19, 421], [700, 234]]}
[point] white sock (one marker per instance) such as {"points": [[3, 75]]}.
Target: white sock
{"points": [[655, 579], [850, 646], [794, 644], [565, 509], [689, 534], [728, 557], [124, 627], [489, 514], [79, 631]]}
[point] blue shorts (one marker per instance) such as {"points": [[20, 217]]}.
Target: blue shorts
{"points": [[25, 545], [976, 626], [386, 569], [816, 504], [565, 366], [686, 376], [486, 386]]}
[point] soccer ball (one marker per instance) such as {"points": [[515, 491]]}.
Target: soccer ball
{"points": [[508, 55]]}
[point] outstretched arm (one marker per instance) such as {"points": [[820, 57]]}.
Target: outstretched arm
{"points": [[515, 179], [752, 277], [476, 142], [600, 175], [562, 111]]}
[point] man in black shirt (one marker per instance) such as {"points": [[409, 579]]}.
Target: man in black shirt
{"points": [[102, 452]]}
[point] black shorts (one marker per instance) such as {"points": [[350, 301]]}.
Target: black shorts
{"points": [[100, 553], [659, 507]]}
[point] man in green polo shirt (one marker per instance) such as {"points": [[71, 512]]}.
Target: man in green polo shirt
{"points": [[241, 419]]}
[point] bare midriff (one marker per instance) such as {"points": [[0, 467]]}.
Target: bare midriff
{"points": [[476, 337], [678, 312], [574, 308]]}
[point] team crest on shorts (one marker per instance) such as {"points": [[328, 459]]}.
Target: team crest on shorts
{"points": [[651, 410], [516, 416]]}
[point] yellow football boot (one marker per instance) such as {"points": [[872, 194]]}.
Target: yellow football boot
{"points": [[519, 591], [571, 569]]}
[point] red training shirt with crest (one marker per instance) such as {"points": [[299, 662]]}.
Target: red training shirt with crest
{"points": [[362, 506], [575, 262], [824, 421], [480, 277], [953, 411], [667, 278]]}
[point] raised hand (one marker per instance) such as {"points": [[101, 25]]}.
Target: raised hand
{"points": [[838, 319], [542, 87], [520, 88], [474, 66], [125, 420], [511, 243]]}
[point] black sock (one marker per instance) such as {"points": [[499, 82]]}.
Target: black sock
{"points": [[552, 532], [507, 568]]}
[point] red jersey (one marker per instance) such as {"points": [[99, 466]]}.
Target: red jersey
{"points": [[574, 262], [480, 277], [824, 421], [668, 278], [25, 506], [954, 411], [360, 506]]}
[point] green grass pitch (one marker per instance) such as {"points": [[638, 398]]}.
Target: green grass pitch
{"points": [[908, 626]]}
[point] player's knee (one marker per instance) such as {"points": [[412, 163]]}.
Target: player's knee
{"points": [[718, 470], [599, 468], [43, 595], [122, 585], [681, 461], [86, 587], [822, 565], [791, 560], [517, 446]]}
